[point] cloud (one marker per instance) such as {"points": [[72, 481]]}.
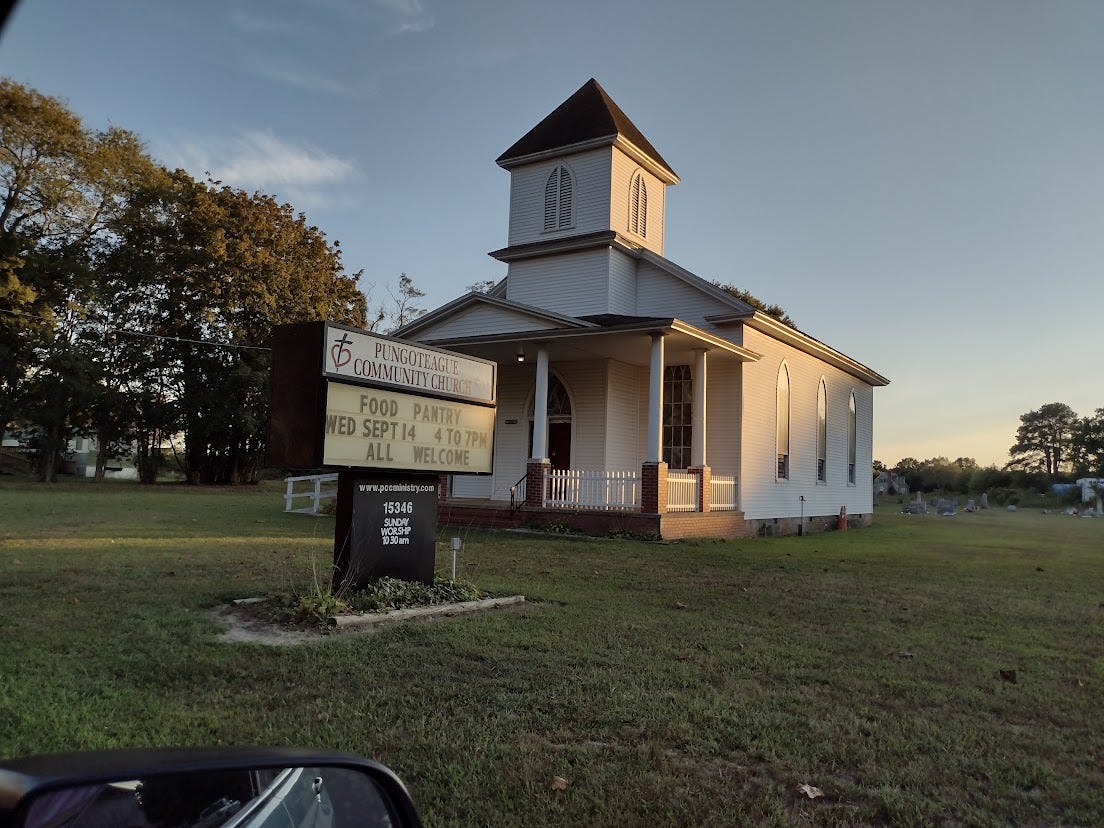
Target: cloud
{"points": [[412, 16], [255, 24], [259, 160], [407, 15], [305, 79]]}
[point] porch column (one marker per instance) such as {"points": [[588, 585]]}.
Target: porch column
{"points": [[655, 402], [698, 466], [540, 407], [697, 449], [538, 465], [653, 475]]}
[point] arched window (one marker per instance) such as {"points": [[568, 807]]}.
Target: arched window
{"points": [[782, 422], [638, 206], [559, 401], [852, 438], [822, 433], [678, 420], [557, 199]]}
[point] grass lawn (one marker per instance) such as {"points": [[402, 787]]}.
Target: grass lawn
{"points": [[697, 682]]}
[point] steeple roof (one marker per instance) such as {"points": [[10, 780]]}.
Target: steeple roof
{"points": [[588, 118]]}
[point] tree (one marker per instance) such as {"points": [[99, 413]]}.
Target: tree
{"points": [[770, 310], [406, 297], [483, 286], [1043, 439], [205, 272], [1088, 444], [61, 185]]}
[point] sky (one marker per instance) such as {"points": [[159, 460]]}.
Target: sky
{"points": [[919, 184]]}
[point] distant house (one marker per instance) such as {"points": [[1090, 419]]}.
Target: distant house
{"points": [[1091, 488], [632, 392], [82, 453], [888, 482]]}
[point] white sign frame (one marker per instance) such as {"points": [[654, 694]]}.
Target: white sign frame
{"points": [[358, 357]]}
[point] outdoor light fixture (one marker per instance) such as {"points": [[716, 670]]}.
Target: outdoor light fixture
{"points": [[521, 355]]}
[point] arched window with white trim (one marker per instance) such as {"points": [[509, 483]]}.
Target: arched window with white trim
{"points": [[852, 438], [678, 419], [782, 422], [558, 192], [822, 433], [638, 206]]}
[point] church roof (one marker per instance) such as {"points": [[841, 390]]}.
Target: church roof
{"points": [[588, 117]]}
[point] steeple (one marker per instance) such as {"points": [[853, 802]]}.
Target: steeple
{"points": [[587, 120]]}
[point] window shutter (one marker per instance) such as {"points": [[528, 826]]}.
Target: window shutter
{"points": [[551, 192], [638, 206], [565, 198]]}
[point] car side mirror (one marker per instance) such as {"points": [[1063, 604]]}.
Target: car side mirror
{"points": [[202, 788]]}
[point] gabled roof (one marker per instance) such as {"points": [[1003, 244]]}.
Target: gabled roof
{"points": [[556, 320], [589, 118], [745, 314]]}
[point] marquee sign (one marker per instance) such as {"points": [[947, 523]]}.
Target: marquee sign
{"points": [[359, 357], [389, 430], [347, 398]]}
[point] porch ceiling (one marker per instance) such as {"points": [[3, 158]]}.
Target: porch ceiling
{"points": [[628, 343]]}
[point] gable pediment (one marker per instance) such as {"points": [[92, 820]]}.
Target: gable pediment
{"points": [[481, 314]]}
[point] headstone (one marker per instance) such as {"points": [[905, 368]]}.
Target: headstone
{"points": [[1011, 507], [984, 500]]}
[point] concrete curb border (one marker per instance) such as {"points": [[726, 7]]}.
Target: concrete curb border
{"points": [[349, 622]]}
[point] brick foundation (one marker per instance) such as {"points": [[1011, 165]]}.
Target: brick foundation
{"points": [[775, 527], [534, 482], [653, 488]]}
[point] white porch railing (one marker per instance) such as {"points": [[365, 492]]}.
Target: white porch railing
{"points": [[577, 489], [723, 494], [682, 491], [316, 493]]}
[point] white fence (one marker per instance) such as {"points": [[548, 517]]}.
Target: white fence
{"points": [[723, 494], [682, 491], [315, 492], [576, 489]]}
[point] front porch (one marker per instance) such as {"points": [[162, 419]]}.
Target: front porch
{"points": [[651, 503]]}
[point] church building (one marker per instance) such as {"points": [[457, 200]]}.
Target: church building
{"points": [[633, 395]]}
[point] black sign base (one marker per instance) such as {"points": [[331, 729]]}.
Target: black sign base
{"points": [[386, 527]]}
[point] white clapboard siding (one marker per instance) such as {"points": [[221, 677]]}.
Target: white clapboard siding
{"points": [[625, 431], [761, 495], [511, 448], [586, 386], [590, 196], [622, 283], [624, 168], [722, 406], [573, 284], [658, 293]]}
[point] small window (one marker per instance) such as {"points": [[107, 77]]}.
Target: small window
{"points": [[822, 433], [852, 438], [557, 199], [782, 422], [638, 206], [678, 423]]}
